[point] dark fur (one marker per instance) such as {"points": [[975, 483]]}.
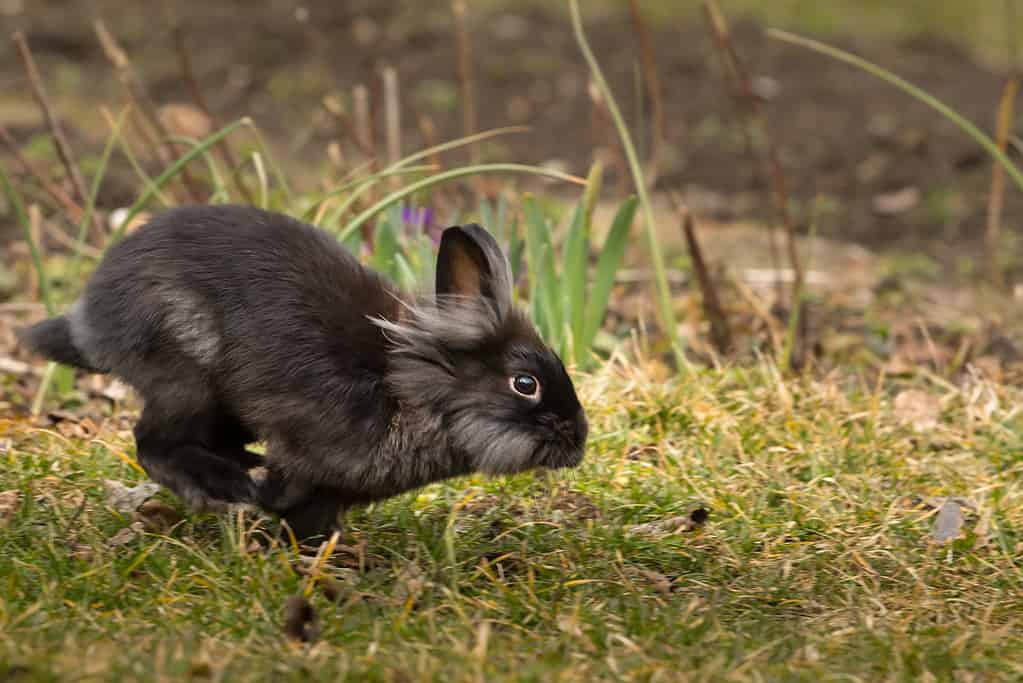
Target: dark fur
{"points": [[237, 325]]}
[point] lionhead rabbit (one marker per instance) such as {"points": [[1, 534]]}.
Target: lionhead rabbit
{"points": [[236, 325]]}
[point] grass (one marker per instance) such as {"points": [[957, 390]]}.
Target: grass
{"points": [[815, 563]]}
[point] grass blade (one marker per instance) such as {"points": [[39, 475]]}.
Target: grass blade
{"points": [[455, 144], [170, 173], [660, 271], [576, 256], [362, 184], [933, 102], [264, 149], [26, 230], [607, 266], [97, 182], [446, 176]]}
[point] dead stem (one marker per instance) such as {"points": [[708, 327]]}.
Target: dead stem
{"points": [[469, 122], [996, 199], [69, 205], [723, 41], [720, 332], [392, 118], [653, 87], [224, 146], [139, 97], [349, 129], [60, 140]]}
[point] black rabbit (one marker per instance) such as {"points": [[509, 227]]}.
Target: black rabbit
{"points": [[237, 325]]}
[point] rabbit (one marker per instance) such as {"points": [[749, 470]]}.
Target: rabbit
{"points": [[237, 325]]}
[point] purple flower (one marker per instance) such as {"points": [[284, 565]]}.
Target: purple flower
{"points": [[420, 220]]}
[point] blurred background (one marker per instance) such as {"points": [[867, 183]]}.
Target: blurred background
{"points": [[897, 197]]}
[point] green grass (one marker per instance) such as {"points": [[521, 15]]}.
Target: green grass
{"points": [[815, 563]]}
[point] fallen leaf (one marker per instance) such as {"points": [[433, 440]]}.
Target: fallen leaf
{"points": [[661, 582], [568, 623], [157, 517], [918, 409], [13, 366], [128, 498], [82, 551], [949, 523], [126, 535], [900, 201], [10, 501], [84, 428], [301, 622], [185, 120]]}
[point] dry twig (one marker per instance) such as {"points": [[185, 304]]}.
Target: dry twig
{"points": [[60, 140], [138, 95], [224, 146], [469, 123], [653, 87], [735, 66], [720, 332], [61, 197]]}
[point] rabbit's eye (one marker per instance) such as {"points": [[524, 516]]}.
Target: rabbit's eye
{"points": [[525, 385]]}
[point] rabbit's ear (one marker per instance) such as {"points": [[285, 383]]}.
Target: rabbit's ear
{"points": [[471, 264]]}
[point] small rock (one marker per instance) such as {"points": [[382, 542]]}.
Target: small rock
{"points": [[765, 87], [949, 522]]}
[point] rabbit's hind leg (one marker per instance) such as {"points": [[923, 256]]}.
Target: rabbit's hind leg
{"points": [[177, 448]]}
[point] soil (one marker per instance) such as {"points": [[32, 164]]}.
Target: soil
{"points": [[843, 135]]}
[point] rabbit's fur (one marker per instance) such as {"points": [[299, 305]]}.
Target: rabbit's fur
{"points": [[237, 325]]}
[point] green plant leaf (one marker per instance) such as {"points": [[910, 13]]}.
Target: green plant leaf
{"points": [[573, 274], [385, 245], [543, 284], [664, 308], [607, 267], [360, 185]]}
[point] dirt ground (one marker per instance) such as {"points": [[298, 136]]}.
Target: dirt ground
{"points": [[888, 171]]}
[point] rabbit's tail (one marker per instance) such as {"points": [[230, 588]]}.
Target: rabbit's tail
{"points": [[51, 338]]}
